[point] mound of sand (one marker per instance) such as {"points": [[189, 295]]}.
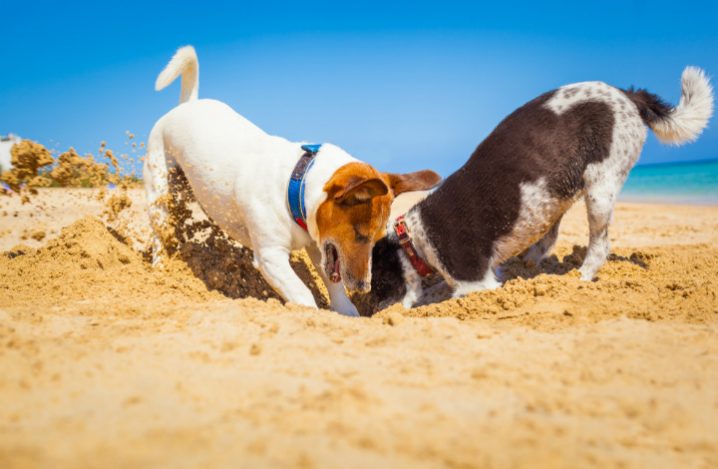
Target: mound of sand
{"points": [[89, 256], [105, 359], [662, 283], [648, 283], [86, 258]]}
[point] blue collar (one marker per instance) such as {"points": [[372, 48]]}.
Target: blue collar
{"points": [[295, 191]]}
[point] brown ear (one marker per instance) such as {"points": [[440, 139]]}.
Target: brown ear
{"points": [[360, 190], [416, 181]]}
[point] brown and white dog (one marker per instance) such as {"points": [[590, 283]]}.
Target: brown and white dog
{"points": [[240, 176], [580, 140]]}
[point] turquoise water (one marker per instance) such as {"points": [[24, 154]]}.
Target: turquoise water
{"points": [[692, 182]]}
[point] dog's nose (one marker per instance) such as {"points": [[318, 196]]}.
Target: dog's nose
{"points": [[362, 286]]}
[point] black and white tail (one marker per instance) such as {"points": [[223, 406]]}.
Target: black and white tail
{"points": [[184, 63], [685, 122]]}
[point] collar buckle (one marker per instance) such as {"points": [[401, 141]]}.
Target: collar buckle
{"points": [[419, 264]]}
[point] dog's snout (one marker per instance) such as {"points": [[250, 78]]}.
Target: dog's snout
{"points": [[362, 286]]}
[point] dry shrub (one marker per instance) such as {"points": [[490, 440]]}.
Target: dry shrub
{"points": [[27, 158], [73, 170], [34, 166]]}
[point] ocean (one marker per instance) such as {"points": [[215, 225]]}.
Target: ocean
{"points": [[681, 183]]}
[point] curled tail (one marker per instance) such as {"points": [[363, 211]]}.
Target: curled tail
{"points": [[184, 63], [685, 122]]}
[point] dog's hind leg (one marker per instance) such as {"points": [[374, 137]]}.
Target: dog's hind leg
{"points": [[600, 201], [538, 251], [156, 176]]}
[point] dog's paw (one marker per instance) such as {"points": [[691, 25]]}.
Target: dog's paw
{"points": [[587, 275], [158, 262], [346, 309], [411, 298]]}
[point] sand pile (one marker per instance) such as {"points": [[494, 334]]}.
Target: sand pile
{"points": [[664, 283], [85, 259], [226, 266], [660, 283], [204, 252], [105, 359], [115, 204], [89, 256]]}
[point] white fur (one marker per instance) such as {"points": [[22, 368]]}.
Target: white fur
{"points": [[424, 249], [539, 250], [489, 282], [412, 280], [690, 117], [561, 101], [604, 180], [538, 213], [239, 175], [184, 63]]}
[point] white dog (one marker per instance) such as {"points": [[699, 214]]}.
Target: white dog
{"points": [[270, 194]]}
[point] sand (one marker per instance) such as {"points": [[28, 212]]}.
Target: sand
{"points": [[105, 361]]}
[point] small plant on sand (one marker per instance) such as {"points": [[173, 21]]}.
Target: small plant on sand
{"points": [[34, 166]]}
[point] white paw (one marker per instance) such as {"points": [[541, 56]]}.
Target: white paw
{"points": [[587, 275], [410, 299], [492, 283], [346, 308], [464, 288], [158, 262], [407, 303]]}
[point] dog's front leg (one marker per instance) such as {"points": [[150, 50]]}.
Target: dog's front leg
{"points": [[338, 298], [413, 294], [273, 263], [412, 281]]}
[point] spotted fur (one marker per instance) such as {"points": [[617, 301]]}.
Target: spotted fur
{"points": [[580, 140]]}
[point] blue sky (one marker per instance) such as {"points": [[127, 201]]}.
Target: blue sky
{"points": [[402, 85]]}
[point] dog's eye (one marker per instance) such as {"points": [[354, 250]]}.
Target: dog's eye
{"points": [[360, 237], [352, 201]]}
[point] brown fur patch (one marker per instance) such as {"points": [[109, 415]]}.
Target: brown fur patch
{"points": [[416, 181], [354, 216], [356, 211]]}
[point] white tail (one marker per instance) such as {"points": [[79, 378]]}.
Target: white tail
{"points": [[685, 122], [184, 63]]}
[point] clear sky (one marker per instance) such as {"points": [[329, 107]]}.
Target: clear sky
{"points": [[402, 85]]}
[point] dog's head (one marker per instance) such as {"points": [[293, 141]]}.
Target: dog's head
{"points": [[387, 278], [354, 216]]}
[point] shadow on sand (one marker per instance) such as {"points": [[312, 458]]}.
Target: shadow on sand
{"points": [[220, 262]]}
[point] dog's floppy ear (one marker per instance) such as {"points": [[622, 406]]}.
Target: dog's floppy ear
{"points": [[416, 181], [358, 190]]}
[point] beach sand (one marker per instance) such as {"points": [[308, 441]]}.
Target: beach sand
{"points": [[105, 362]]}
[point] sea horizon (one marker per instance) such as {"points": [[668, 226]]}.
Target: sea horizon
{"points": [[680, 182]]}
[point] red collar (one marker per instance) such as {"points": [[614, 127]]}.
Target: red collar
{"points": [[402, 231]]}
